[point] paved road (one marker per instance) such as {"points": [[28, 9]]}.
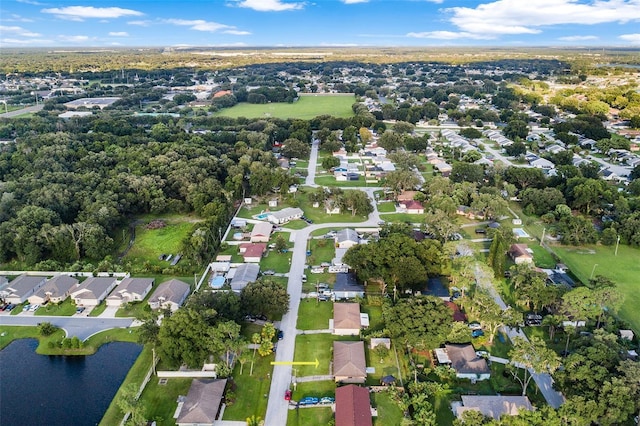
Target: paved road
{"points": [[313, 161], [497, 155], [278, 408], [83, 327], [544, 381], [21, 111]]}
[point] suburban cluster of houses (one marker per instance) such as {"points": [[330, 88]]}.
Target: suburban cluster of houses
{"points": [[373, 161], [40, 290], [521, 253]]}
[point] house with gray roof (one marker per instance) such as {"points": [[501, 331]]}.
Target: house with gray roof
{"points": [[244, 274], [467, 363], [347, 238], [493, 406], [130, 290], [201, 407], [55, 290], [170, 294], [347, 287], [18, 290], [285, 215], [93, 291], [349, 364]]}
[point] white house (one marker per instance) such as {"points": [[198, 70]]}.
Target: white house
{"points": [[170, 294], [55, 290], [18, 290], [93, 291], [261, 232], [346, 238], [285, 215], [130, 290]]}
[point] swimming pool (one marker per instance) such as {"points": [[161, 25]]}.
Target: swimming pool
{"points": [[261, 216]]}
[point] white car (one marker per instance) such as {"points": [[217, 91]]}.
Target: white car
{"points": [[34, 308]]}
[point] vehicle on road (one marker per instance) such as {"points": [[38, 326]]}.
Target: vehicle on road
{"points": [[327, 400], [280, 334], [287, 395], [269, 272]]}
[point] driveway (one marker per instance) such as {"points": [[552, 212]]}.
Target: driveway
{"points": [[109, 312]]}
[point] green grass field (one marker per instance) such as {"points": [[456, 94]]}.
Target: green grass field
{"points": [[331, 181], [160, 401], [313, 416], [306, 108], [278, 262], [389, 413], [320, 346], [251, 391], [623, 269], [151, 243], [387, 207], [314, 315], [63, 309]]}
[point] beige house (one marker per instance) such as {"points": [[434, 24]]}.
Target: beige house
{"points": [[467, 363], [519, 253], [346, 238], [261, 232], [130, 290], [349, 365], [201, 406], [170, 294], [18, 290], [346, 319], [56, 290], [494, 406], [93, 291]]}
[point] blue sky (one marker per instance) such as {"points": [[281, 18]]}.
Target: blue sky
{"points": [[239, 23]]}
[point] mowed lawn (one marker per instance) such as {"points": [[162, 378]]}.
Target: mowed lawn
{"points": [[623, 269], [151, 243], [306, 108]]}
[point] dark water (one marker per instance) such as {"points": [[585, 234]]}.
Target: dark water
{"points": [[43, 390]]}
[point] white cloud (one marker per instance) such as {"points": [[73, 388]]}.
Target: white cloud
{"points": [[269, 5], [18, 31], [578, 38], [200, 25], [524, 17], [448, 35], [23, 42], [119, 34], [35, 3], [140, 23], [79, 13], [74, 38], [631, 38], [354, 1], [237, 32], [16, 18]]}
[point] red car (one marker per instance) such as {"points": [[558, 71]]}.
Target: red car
{"points": [[287, 395]]}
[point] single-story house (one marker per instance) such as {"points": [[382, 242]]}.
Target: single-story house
{"points": [[353, 407], [444, 168], [519, 253], [346, 319], [252, 252], [18, 290], [347, 287], [93, 291], [542, 163], [346, 238], [467, 364], [412, 207], [3, 281], [285, 215], [349, 365], [55, 290], [261, 232], [244, 274], [219, 267], [494, 406], [130, 290], [201, 407], [170, 294]]}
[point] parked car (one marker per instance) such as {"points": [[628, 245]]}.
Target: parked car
{"points": [[10, 307], [269, 272], [481, 231], [25, 308], [34, 308], [280, 334], [477, 333], [475, 326], [287, 395], [308, 400], [327, 400], [80, 309]]}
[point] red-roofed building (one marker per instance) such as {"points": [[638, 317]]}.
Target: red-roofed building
{"points": [[458, 315], [412, 207], [252, 252], [353, 407]]}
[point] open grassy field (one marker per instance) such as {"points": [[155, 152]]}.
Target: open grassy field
{"points": [[623, 269], [389, 413], [329, 180], [314, 315], [278, 262], [151, 243], [160, 401], [251, 392], [306, 107], [320, 346], [311, 416]]}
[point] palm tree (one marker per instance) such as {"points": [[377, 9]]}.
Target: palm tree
{"points": [[552, 321]]}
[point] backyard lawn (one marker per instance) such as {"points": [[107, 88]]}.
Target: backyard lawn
{"points": [[278, 262], [310, 347], [310, 416], [387, 207], [306, 108], [160, 401], [314, 315], [251, 392], [402, 217], [385, 368], [317, 389], [321, 251], [622, 269], [331, 181], [389, 413], [151, 243]]}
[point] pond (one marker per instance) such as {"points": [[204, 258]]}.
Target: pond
{"points": [[60, 390]]}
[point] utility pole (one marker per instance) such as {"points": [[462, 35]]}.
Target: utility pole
{"points": [[617, 244], [543, 232]]}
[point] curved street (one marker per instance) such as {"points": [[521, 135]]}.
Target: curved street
{"points": [[82, 327]]}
